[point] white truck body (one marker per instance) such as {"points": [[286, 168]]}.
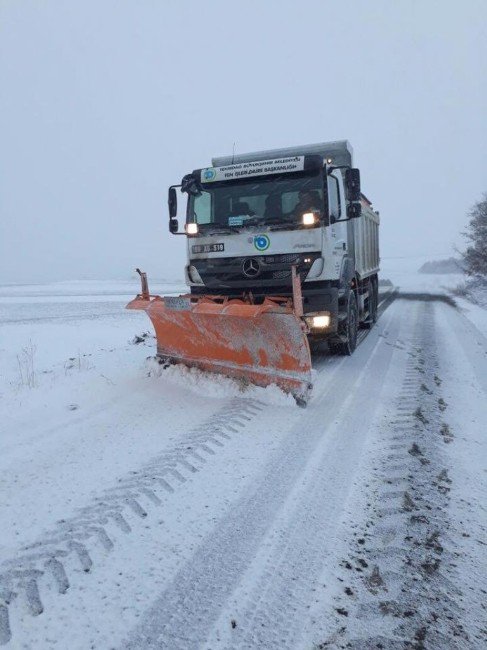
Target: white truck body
{"points": [[339, 253]]}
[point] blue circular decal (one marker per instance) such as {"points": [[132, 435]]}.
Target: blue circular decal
{"points": [[262, 242], [209, 174]]}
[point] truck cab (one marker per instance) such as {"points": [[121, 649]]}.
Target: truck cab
{"points": [[251, 218]]}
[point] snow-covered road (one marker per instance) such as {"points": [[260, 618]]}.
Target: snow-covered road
{"points": [[143, 508]]}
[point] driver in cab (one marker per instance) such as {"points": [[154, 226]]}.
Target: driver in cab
{"points": [[308, 201]]}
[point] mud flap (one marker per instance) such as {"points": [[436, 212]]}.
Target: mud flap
{"points": [[263, 344]]}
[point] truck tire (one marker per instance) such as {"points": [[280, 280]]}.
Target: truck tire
{"points": [[347, 330], [373, 304]]}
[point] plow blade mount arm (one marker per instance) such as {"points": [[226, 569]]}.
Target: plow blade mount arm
{"points": [[263, 344]]}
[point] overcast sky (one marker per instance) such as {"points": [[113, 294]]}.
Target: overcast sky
{"points": [[105, 103]]}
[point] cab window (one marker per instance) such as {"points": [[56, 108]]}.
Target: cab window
{"points": [[333, 197]]}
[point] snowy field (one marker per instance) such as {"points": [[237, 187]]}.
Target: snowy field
{"points": [[148, 508]]}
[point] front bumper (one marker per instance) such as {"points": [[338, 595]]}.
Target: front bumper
{"points": [[317, 296]]}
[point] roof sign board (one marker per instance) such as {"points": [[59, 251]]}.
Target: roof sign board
{"points": [[339, 151], [252, 168]]}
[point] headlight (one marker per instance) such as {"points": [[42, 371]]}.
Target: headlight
{"points": [[308, 219], [191, 228], [320, 321]]}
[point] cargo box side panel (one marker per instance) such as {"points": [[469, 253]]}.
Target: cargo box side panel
{"points": [[366, 242]]}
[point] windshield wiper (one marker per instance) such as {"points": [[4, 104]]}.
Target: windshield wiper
{"points": [[253, 221], [218, 230], [283, 225], [275, 224]]}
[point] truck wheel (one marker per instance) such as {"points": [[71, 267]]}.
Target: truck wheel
{"points": [[348, 330], [373, 302]]}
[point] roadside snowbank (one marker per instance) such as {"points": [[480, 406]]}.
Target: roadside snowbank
{"points": [[470, 295]]}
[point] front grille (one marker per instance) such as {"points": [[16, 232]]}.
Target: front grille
{"points": [[290, 258], [280, 275], [228, 271]]}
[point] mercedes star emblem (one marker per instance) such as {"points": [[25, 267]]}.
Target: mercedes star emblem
{"points": [[251, 267]]}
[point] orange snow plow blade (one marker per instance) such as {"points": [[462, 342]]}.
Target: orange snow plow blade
{"points": [[265, 344]]}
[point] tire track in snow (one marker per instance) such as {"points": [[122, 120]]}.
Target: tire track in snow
{"points": [[45, 564], [183, 616], [277, 596], [405, 594]]}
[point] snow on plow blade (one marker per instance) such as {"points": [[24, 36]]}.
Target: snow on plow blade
{"points": [[265, 344]]}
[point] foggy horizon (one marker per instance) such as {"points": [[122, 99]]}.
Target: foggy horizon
{"points": [[104, 105]]}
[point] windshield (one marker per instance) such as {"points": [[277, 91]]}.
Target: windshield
{"points": [[280, 201]]}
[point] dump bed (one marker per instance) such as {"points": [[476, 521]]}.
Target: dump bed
{"points": [[366, 240]]}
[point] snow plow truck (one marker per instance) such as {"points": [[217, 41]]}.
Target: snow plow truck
{"points": [[282, 251]]}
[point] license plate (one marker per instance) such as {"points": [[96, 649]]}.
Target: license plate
{"points": [[208, 248], [177, 303]]}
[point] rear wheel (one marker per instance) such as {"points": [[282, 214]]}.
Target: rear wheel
{"points": [[347, 330]]}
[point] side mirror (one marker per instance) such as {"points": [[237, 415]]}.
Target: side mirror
{"points": [[172, 201], [352, 181], [354, 210], [173, 226]]}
